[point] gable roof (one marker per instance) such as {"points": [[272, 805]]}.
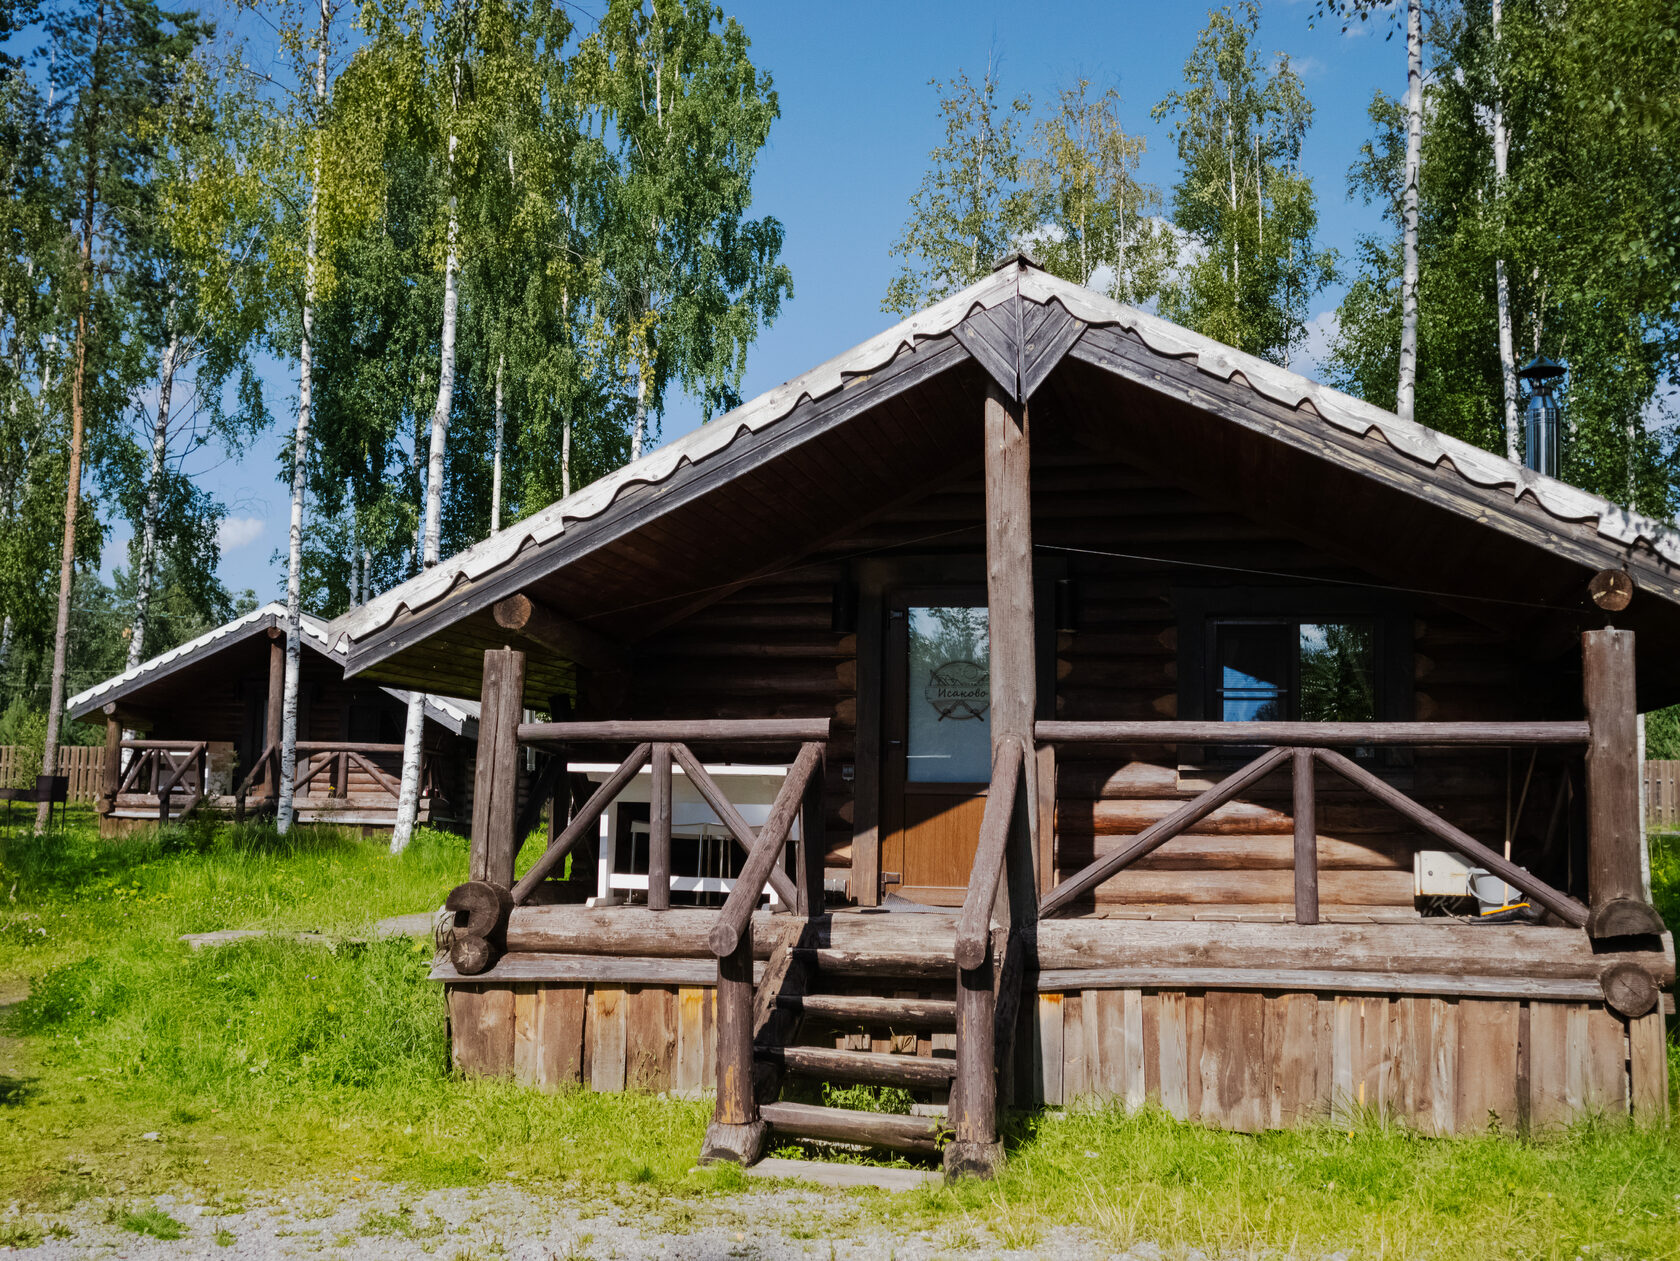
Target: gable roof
{"points": [[456, 716], [1018, 325]]}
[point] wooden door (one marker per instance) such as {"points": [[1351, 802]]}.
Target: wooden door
{"points": [[937, 745]]}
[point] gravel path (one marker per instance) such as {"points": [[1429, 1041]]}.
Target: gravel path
{"points": [[371, 1220]]}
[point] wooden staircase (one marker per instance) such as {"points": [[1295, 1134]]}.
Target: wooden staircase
{"points": [[813, 1017]]}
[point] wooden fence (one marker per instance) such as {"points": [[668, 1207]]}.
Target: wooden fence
{"points": [[81, 762], [1662, 796]]}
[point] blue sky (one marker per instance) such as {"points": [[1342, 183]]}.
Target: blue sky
{"points": [[858, 120]]}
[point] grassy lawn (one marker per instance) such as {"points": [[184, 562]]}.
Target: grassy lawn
{"points": [[138, 1066]]}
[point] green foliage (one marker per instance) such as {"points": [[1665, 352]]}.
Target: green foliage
{"points": [[1662, 734], [1249, 215], [1589, 94], [970, 207], [1084, 184], [26, 730]]}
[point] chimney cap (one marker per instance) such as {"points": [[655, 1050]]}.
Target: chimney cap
{"points": [[1540, 368]]}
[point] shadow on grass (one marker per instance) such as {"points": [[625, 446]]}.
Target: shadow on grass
{"points": [[15, 1091]]}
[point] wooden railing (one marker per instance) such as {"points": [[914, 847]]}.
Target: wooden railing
{"points": [[160, 765], [333, 758], [1304, 747], [484, 901]]}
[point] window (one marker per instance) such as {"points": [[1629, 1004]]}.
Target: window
{"points": [[1276, 670]]}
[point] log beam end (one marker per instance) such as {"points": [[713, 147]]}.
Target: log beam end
{"points": [[1629, 990], [742, 1144], [1624, 917]]}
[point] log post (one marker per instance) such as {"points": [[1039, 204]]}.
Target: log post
{"points": [[659, 832], [110, 779], [1014, 702], [1306, 840], [813, 842], [276, 705], [737, 1132], [1009, 596], [1615, 844], [974, 1148], [496, 775]]}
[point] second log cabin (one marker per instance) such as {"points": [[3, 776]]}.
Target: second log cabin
{"points": [[1151, 722]]}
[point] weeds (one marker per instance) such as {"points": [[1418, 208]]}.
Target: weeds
{"points": [[152, 1221]]}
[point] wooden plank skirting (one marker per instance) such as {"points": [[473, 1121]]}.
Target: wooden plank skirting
{"points": [[1235, 1059], [1250, 1061]]}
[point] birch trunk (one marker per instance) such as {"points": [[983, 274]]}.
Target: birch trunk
{"points": [[300, 458], [73, 488], [1507, 341], [1405, 396], [565, 457], [496, 462], [149, 516], [408, 792], [639, 434]]}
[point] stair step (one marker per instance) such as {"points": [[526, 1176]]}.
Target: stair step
{"points": [[933, 961], [862, 1066], [844, 1125], [867, 1009]]}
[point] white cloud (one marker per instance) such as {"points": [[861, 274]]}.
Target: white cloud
{"points": [[237, 532], [1310, 355]]}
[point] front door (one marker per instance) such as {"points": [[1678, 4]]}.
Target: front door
{"points": [[938, 744]]}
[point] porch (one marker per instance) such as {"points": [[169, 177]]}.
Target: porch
{"points": [[1030, 993], [349, 784]]}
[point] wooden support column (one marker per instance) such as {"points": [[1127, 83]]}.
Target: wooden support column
{"points": [[1615, 844], [110, 778], [1306, 840], [272, 726], [659, 832], [496, 777], [737, 1132], [1009, 586], [1014, 696]]}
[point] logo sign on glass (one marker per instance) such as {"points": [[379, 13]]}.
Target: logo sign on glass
{"points": [[950, 728]]}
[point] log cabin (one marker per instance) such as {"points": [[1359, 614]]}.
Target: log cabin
{"points": [[1154, 724], [203, 724]]}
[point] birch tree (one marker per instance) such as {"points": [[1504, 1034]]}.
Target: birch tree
{"points": [[1411, 176], [685, 278], [1096, 223], [970, 208], [1242, 201], [311, 109]]}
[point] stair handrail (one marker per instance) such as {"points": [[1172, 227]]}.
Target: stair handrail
{"points": [[736, 916], [974, 924]]}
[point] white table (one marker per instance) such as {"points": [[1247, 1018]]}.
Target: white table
{"points": [[750, 789]]}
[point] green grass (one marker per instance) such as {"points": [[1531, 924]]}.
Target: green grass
{"points": [[275, 1062]]}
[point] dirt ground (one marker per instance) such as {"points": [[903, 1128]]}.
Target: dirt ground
{"points": [[368, 1220]]}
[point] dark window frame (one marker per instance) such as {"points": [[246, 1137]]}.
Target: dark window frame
{"points": [[1199, 610]]}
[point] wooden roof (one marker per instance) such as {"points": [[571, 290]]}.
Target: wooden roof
{"points": [[455, 715], [774, 479]]}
